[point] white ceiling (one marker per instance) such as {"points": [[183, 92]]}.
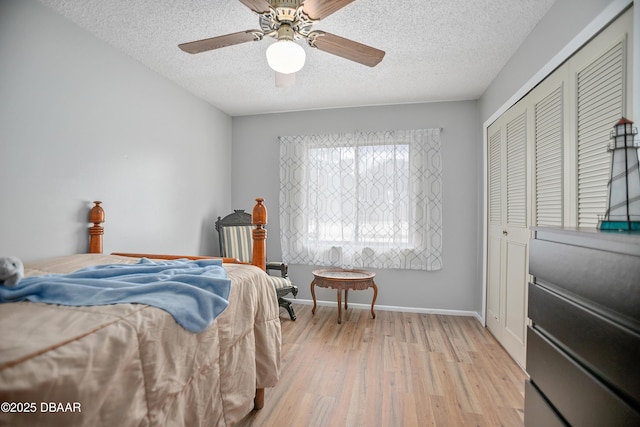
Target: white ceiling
{"points": [[436, 50]]}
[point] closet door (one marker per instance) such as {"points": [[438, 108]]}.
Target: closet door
{"points": [[549, 133], [526, 187], [516, 237], [601, 87], [508, 231], [548, 165], [496, 195]]}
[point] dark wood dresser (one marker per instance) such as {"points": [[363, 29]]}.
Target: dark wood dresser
{"points": [[583, 347]]}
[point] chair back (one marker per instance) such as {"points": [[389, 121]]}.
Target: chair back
{"points": [[235, 235]]}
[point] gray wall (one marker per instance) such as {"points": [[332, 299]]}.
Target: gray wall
{"points": [[80, 121], [458, 285], [564, 21]]}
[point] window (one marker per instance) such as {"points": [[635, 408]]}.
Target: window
{"points": [[362, 199]]}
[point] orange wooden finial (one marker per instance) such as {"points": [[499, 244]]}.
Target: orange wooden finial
{"points": [[96, 216], [259, 215], [259, 219]]}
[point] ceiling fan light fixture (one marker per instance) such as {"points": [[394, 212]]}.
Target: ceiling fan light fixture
{"points": [[286, 56]]}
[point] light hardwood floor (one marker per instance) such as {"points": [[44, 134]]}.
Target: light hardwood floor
{"points": [[400, 369]]}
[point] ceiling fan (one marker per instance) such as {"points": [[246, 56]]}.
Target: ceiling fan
{"points": [[287, 21]]}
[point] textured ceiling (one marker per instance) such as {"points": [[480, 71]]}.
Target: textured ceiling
{"points": [[436, 50]]}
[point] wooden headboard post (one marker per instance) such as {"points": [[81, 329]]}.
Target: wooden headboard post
{"points": [[259, 219], [96, 216]]}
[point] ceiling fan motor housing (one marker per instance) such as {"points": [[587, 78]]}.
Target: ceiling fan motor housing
{"points": [[286, 20], [285, 32]]}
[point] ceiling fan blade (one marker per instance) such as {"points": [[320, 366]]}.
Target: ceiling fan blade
{"points": [[221, 41], [258, 6], [346, 48], [319, 9]]}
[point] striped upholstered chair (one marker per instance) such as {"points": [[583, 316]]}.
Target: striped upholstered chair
{"points": [[234, 234]]}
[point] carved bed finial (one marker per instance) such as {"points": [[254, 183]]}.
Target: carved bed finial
{"points": [[96, 216], [259, 219]]}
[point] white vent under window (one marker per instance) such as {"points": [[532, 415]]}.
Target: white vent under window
{"points": [[517, 171], [600, 101], [549, 161]]}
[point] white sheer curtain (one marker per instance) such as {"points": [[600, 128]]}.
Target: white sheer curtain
{"points": [[369, 199]]}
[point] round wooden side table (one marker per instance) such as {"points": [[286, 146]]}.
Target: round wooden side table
{"points": [[342, 279]]}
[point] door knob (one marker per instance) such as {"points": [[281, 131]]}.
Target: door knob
{"points": [[505, 232]]}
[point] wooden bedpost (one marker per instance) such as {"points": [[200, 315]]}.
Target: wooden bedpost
{"points": [[259, 259], [258, 400], [259, 219], [96, 216]]}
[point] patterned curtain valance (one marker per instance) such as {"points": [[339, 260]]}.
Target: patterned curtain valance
{"points": [[362, 199]]}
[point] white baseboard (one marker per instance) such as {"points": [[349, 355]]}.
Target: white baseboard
{"points": [[361, 306]]}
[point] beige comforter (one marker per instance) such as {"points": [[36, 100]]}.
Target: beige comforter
{"points": [[132, 364]]}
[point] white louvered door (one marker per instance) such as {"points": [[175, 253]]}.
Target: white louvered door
{"points": [[548, 165], [549, 135], [600, 94], [517, 234], [495, 227], [508, 231]]}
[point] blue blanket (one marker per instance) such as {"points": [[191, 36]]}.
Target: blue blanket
{"points": [[193, 292]]}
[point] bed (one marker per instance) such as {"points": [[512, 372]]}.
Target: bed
{"points": [[131, 364]]}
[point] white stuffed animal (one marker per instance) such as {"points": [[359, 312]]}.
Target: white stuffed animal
{"points": [[11, 270]]}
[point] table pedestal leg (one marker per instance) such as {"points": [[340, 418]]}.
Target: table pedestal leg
{"points": [[375, 296], [339, 306], [346, 292], [313, 295]]}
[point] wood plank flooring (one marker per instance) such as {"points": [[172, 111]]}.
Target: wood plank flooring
{"points": [[400, 369]]}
